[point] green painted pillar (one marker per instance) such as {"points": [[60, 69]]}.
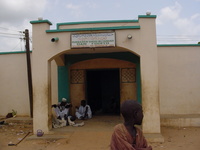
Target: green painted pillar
{"points": [[63, 83]]}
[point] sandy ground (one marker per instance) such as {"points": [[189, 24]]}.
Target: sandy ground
{"points": [[94, 135]]}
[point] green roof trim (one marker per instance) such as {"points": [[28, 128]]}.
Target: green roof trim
{"points": [[95, 22], [163, 45], [41, 21], [94, 29], [147, 16], [14, 52]]}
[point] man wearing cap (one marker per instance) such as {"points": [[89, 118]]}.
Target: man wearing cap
{"points": [[62, 109]]}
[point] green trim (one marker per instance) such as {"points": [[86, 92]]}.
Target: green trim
{"points": [[163, 45], [63, 83], [127, 56], [94, 29], [95, 22], [147, 16], [15, 52], [40, 21]]}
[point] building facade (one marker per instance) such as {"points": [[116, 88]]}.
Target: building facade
{"points": [[104, 60]]}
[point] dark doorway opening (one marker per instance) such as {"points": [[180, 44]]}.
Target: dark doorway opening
{"points": [[103, 91]]}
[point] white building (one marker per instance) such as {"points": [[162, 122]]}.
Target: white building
{"points": [[98, 60]]}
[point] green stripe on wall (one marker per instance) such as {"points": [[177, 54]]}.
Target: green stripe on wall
{"points": [[14, 52], [147, 16], [165, 45], [40, 21], [96, 22], [94, 29]]}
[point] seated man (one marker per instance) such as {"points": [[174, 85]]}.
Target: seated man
{"points": [[62, 109], [84, 111], [61, 113], [127, 135]]}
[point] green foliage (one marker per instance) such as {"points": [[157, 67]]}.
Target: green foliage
{"points": [[14, 113]]}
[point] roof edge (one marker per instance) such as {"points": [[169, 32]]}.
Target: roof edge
{"points": [[94, 22], [94, 29], [13, 52], [166, 45], [40, 21]]}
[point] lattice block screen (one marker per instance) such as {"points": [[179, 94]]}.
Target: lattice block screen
{"points": [[77, 76], [128, 75]]}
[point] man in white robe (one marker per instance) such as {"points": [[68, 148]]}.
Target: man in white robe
{"points": [[84, 111], [62, 109], [60, 115]]}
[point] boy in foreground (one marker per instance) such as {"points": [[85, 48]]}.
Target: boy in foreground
{"points": [[127, 136]]}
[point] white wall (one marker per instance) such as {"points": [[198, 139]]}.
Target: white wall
{"points": [[14, 92], [179, 79], [54, 83], [14, 84]]}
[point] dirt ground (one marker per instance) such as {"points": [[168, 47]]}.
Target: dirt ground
{"points": [[94, 135]]}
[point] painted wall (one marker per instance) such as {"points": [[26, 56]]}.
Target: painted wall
{"points": [[179, 79], [14, 84], [54, 82], [178, 68]]}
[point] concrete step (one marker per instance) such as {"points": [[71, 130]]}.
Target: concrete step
{"points": [[19, 121], [49, 137]]}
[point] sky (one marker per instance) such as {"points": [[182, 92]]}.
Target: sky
{"points": [[177, 21]]}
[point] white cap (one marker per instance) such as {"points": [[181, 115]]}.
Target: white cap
{"points": [[64, 99]]}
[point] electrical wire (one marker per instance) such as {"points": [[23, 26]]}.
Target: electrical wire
{"points": [[178, 38], [15, 35], [8, 29], [10, 34]]}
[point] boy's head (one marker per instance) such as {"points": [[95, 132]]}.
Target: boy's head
{"points": [[132, 112], [83, 103]]}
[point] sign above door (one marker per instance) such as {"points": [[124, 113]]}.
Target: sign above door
{"points": [[92, 40]]}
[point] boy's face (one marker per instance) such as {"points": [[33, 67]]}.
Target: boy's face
{"points": [[139, 116]]}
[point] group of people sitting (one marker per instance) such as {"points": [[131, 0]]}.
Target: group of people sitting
{"points": [[62, 115]]}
